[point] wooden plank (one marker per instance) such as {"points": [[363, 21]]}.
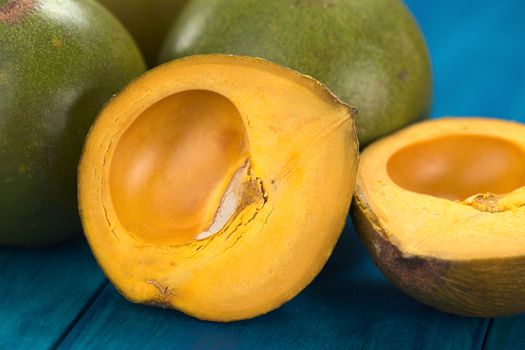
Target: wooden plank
{"points": [[43, 291], [350, 305], [506, 333]]}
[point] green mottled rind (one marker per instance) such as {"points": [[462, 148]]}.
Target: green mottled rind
{"points": [[147, 20], [480, 287], [370, 53], [58, 65]]}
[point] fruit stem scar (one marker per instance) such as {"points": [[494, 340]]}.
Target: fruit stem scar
{"points": [[13, 11], [164, 291]]}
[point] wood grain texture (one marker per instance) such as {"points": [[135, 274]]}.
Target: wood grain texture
{"points": [[350, 305], [42, 291]]}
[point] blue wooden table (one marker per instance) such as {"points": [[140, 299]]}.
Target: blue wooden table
{"points": [[58, 297]]}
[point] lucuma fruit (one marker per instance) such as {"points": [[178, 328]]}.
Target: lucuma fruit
{"points": [[370, 53], [61, 60], [217, 185], [441, 207], [147, 20]]}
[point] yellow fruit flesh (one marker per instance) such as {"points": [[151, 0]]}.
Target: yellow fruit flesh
{"points": [[449, 188], [271, 158], [173, 165]]}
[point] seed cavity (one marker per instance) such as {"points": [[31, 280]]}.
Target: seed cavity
{"points": [[181, 171], [476, 168]]}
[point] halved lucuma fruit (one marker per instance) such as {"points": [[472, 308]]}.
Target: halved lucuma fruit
{"points": [[217, 185], [441, 207]]}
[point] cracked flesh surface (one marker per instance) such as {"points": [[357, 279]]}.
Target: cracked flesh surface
{"points": [[459, 166], [174, 166], [289, 191]]}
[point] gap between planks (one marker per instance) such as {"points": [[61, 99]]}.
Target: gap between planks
{"points": [[80, 314]]}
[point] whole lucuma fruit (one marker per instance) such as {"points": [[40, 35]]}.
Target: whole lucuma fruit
{"points": [[370, 53], [60, 61]]}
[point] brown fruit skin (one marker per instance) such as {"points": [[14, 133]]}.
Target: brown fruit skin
{"points": [[477, 287]]}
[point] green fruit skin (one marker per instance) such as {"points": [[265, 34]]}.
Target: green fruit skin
{"points": [[59, 63], [477, 288], [148, 21], [369, 53]]}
